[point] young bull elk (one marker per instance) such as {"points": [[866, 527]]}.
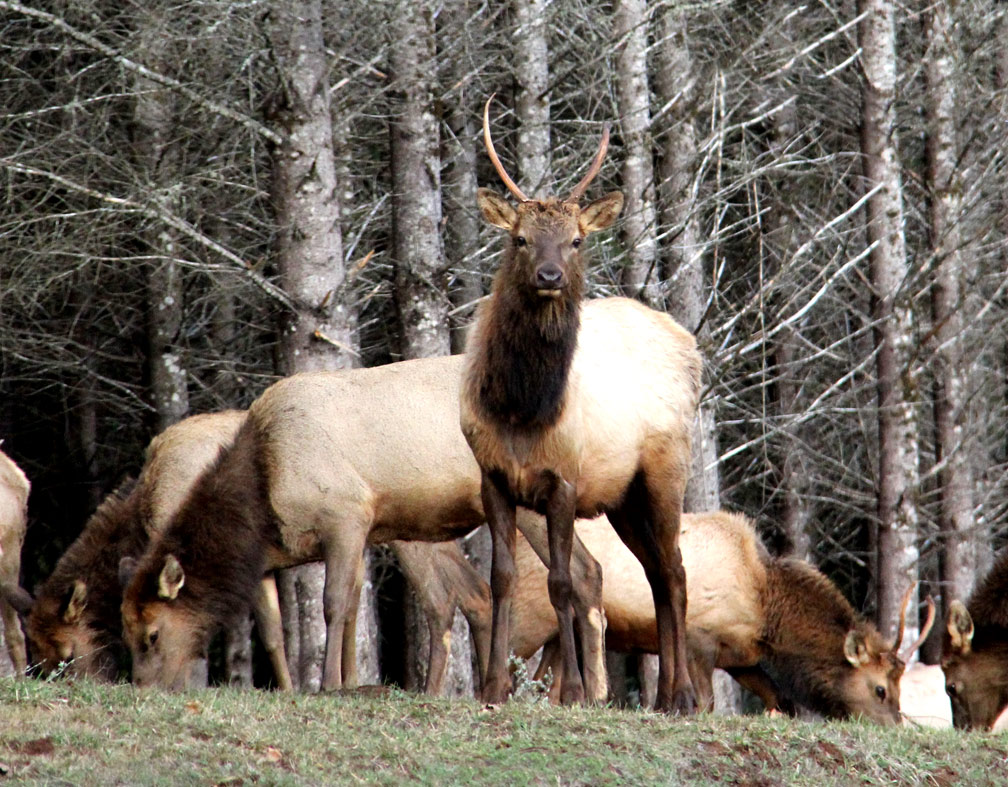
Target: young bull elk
{"points": [[777, 625], [324, 463], [975, 652], [570, 418], [14, 489]]}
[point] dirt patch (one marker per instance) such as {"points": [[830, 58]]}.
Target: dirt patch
{"points": [[34, 748], [829, 756]]}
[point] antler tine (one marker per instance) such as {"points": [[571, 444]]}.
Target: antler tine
{"points": [[511, 185], [902, 617], [579, 189], [925, 630]]}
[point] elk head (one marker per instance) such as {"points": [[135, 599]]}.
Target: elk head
{"points": [[543, 261], [871, 689], [976, 669], [63, 636], [163, 635]]}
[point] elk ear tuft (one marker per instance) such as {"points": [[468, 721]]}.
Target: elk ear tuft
{"points": [[601, 213], [855, 649], [171, 580], [496, 209], [960, 628], [76, 603]]}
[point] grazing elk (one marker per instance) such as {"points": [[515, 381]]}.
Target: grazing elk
{"points": [[777, 625], [324, 463], [14, 489], [75, 617], [568, 418], [975, 651]]}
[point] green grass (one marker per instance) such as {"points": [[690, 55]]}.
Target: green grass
{"points": [[84, 733]]}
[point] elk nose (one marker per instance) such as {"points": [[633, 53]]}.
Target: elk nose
{"points": [[549, 277]]}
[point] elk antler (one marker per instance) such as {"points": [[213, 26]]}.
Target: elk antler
{"points": [[902, 617], [512, 186], [579, 189], [925, 630]]}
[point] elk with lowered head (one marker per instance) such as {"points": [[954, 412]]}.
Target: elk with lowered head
{"points": [[975, 652], [14, 489], [570, 418]]}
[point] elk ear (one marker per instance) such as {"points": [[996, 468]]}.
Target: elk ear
{"points": [[127, 568], [76, 603], [960, 628], [496, 209], [855, 649], [17, 597], [171, 580], [601, 213]]}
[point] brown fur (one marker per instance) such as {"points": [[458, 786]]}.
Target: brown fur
{"points": [[975, 652], [777, 625], [88, 639], [609, 432], [328, 462], [14, 490]]}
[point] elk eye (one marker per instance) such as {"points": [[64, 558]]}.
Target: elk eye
{"points": [[576, 243], [880, 693], [951, 690], [519, 241], [152, 638]]}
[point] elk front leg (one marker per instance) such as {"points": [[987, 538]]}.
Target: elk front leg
{"points": [[268, 621], [500, 513], [586, 576], [560, 502], [349, 658], [342, 561], [14, 637]]}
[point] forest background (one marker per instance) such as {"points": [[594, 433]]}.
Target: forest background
{"points": [[202, 196]]}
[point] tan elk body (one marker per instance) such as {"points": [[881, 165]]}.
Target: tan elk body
{"points": [[777, 625], [14, 490], [975, 652], [324, 463], [568, 418]]}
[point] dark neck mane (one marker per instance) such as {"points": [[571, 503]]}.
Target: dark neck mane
{"points": [[527, 347]]}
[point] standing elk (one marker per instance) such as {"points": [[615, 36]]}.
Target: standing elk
{"points": [[324, 463], [776, 625], [569, 418], [975, 651], [14, 489]]}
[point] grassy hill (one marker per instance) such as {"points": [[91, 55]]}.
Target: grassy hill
{"points": [[84, 733]]}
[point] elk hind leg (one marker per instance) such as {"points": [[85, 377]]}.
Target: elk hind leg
{"points": [[342, 554], [499, 508], [267, 615], [14, 638]]}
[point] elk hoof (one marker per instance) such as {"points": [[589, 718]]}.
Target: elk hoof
{"points": [[496, 691], [683, 702], [573, 696]]}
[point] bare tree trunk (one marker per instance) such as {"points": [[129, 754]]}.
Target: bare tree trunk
{"points": [[416, 183], [682, 246], [321, 332], [953, 378], [532, 105], [458, 153], [892, 316], [640, 277]]}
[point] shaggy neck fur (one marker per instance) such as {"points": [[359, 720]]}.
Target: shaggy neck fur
{"points": [[219, 536], [807, 622], [525, 346], [113, 532], [988, 606]]}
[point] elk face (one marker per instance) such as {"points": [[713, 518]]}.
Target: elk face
{"points": [[976, 673], [871, 688], [163, 636], [544, 259], [62, 635]]}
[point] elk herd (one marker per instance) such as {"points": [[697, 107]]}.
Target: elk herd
{"points": [[566, 426]]}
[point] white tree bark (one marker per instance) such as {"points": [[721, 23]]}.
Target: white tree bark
{"points": [[892, 316], [953, 373], [640, 277], [532, 106]]}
